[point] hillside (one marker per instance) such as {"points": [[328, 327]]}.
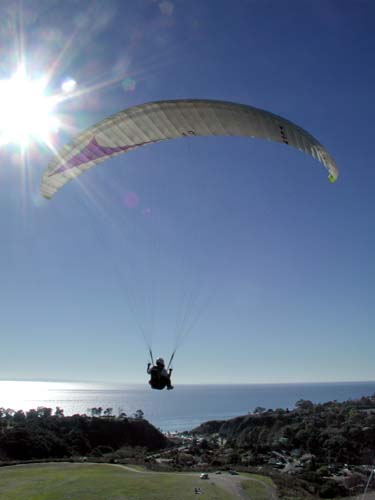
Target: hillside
{"points": [[333, 432], [327, 448]]}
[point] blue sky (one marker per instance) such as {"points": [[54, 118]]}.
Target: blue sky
{"points": [[279, 261]]}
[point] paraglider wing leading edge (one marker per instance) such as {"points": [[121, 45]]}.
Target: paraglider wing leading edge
{"points": [[159, 121]]}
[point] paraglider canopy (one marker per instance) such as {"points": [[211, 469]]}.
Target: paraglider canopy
{"points": [[158, 121]]}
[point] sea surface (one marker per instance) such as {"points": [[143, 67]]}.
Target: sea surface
{"points": [[181, 409]]}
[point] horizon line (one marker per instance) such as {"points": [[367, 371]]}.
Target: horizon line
{"points": [[78, 381]]}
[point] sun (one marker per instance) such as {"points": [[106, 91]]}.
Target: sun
{"points": [[26, 113]]}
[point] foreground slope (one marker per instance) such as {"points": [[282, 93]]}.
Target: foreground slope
{"points": [[96, 482]]}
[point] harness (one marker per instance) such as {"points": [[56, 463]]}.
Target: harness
{"points": [[170, 361], [157, 379]]}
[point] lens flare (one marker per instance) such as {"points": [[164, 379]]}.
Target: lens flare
{"points": [[68, 85], [129, 84], [166, 8], [131, 200]]}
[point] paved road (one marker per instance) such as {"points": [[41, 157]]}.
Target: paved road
{"points": [[231, 484]]}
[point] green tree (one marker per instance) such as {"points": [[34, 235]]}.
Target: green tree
{"points": [[19, 417], [259, 409], [108, 412], [304, 405], [44, 412], [139, 415], [59, 412]]}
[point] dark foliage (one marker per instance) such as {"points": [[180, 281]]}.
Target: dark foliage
{"points": [[39, 434], [334, 433]]}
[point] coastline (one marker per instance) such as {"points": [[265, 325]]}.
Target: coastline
{"points": [[182, 409]]}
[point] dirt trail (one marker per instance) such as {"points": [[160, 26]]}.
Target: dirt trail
{"points": [[230, 484], [233, 484]]}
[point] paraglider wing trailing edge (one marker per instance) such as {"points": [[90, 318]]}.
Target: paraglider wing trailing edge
{"points": [[163, 120]]}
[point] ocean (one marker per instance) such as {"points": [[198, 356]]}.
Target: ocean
{"points": [[181, 409]]}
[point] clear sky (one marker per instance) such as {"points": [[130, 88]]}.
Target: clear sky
{"points": [[272, 264]]}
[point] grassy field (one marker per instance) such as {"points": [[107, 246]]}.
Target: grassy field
{"points": [[99, 482], [265, 479], [255, 490]]}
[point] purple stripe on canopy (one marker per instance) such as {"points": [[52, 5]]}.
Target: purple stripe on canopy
{"points": [[93, 151]]}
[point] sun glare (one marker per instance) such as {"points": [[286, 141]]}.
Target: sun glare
{"points": [[26, 112]]}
